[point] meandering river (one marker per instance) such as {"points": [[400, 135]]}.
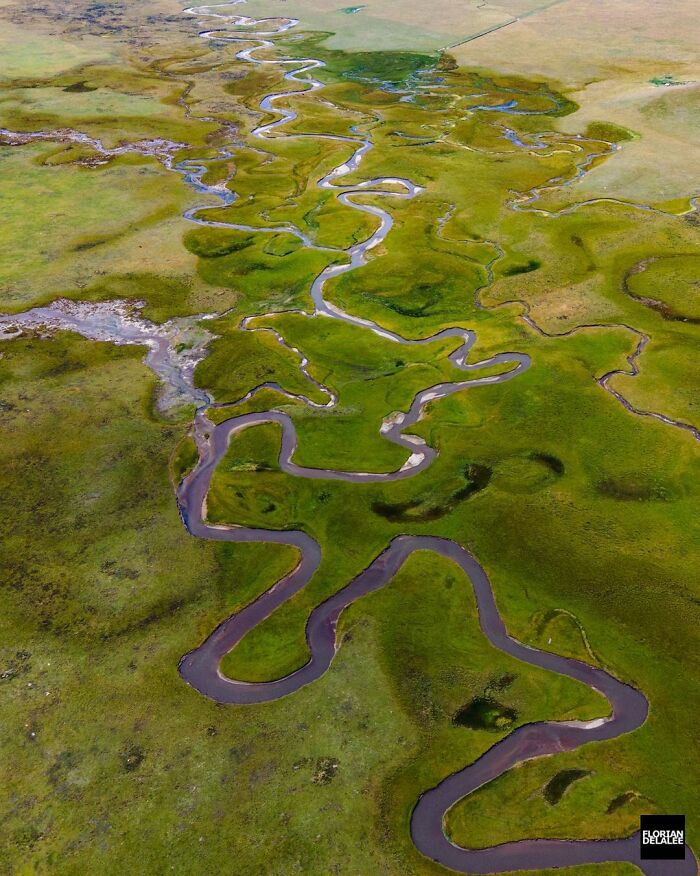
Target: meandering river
{"points": [[201, 667]]}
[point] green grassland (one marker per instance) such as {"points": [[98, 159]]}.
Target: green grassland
{"points": [[604, 487], [70, 228], [580, 512], [30, 52], [110, 102], [104, 643], [671, 285]]}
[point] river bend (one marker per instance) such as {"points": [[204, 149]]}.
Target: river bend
{"points": [[201, 667]]}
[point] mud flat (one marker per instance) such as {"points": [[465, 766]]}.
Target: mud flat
{"points": [[174, 348]]}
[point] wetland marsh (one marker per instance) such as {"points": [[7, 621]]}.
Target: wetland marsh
{"points": [[373, 228]]}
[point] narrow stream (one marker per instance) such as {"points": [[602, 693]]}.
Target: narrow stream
{"points": [[175, 348], [201, 667]]}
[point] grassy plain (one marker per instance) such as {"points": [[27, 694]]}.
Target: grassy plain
{"points": [[629, 47], [605, 481], [400, 24], [27, 52], [91, 682], [581, 513], [71, 229]]}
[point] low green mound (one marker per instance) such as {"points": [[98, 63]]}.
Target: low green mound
{"points": [[632, 489], [527, 473], [531, 265], [79, 87], [282, 244], [555, 465], [669, 286], [420, 301], [485, 713], [477, 478], [609, 131], [184, 459], [557, 786], [212, 243]]}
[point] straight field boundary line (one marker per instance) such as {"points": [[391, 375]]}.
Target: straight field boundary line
{"points": [[503, 24]]}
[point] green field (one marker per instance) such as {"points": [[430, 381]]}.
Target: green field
{"points": [[581, 512]]}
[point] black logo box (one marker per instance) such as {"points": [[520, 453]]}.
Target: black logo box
{"points": [[659, 837]]}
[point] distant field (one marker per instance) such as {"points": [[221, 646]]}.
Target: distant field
{"points": [[397, 24], [604, 54], [29, 53]]}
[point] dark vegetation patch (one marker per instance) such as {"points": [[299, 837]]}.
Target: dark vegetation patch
{"points": [[555, 465], [666, 80], [621, 800], [629, 490], [388, 68], [90, 244], [66, 366], [423, 298], [557, 786], [121, 573], [79, 87], [325, 771], [394, 68], [477, 478], [212, 243], [581, 244], [58, 773], [263, 774], [485, 713], [528, 267], [27, 836], [421, 691], [503, 682], [132, 757], [19, 665], [532, 97], [164, 611]]}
